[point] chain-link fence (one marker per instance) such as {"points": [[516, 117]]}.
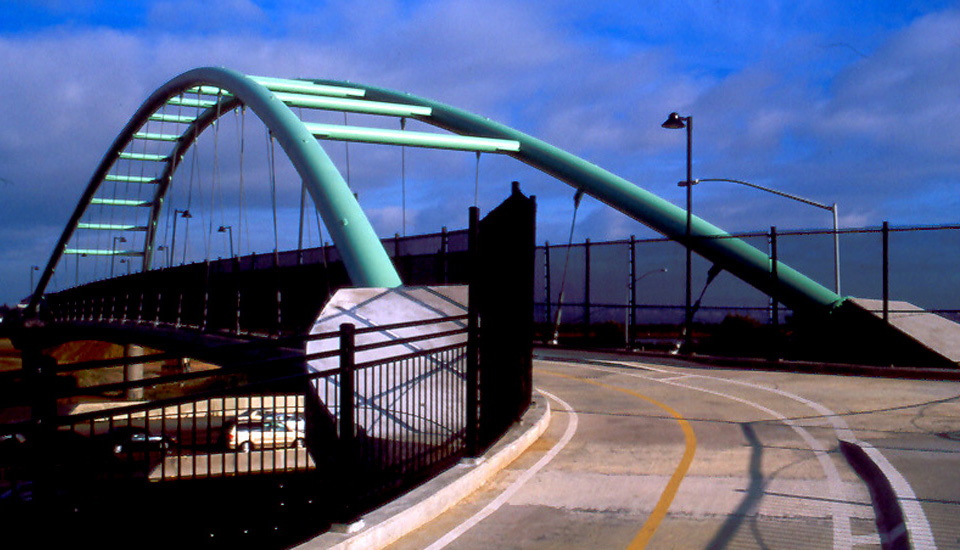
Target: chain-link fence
{"points": [[632, 292]]}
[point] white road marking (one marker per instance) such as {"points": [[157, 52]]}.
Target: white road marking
{"points": [[492, 507], [918, 527], [842, 511]]}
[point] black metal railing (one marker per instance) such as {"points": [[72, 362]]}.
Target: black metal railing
{"points": [[260, 294], [631, 292], [389, 423]]}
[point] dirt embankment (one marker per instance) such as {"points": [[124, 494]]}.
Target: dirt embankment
{"points": [[9, 356]]}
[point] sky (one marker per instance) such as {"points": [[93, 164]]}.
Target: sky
{"points": [[852, 102]]}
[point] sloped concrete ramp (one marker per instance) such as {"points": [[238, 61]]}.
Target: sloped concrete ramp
{"points": [[393, 403], [935, 333]]}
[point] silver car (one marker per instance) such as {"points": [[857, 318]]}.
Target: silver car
{"points": [[267, 434]]}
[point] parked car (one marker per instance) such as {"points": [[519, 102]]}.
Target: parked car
{"points": [[133, 439], [293, 420], [267, 434]]}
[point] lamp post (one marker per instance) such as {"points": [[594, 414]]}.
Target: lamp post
{"points": [[632, 299], [173, 239], [677, 122], [32, 269], [113, 252], [831, 208], [227, 229]]}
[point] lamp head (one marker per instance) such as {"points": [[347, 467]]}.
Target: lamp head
{"points": [[674, 122], [186, 214], [222, 229]]}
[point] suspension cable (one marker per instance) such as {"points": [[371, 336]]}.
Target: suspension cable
{"points": [[346, 145], [241, 140], [403, 181], [566, 263], [273, 190], [476, 183]]}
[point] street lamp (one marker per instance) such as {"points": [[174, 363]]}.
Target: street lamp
{"points": [[113, 252], [227, 229], [173, 239], [632, 285], [832, 208], [32, 269], [677, 122]]}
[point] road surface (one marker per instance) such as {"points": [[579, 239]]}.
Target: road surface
{"points": [[640, 455]]}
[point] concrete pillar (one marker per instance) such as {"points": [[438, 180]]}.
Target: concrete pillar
{"points": [[133, 371]]}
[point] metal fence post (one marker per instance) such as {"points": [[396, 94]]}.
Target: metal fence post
{"points": [[546, 277], [586, 285], [473, 333], [444, 250], [775, 352], [347, 363], [347, 474], [886, 272], [206, 295], [632, 318]]}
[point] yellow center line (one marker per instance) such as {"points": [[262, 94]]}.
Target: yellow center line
{"points": [[673, 485]]}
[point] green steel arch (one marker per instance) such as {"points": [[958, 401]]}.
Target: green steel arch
{"points": [[366, 261], [736, 256]]}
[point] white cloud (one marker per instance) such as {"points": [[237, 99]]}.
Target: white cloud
{"points": [[776, 107]]}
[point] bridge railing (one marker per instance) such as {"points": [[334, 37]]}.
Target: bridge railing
{"points": [[601, 307], [250, 418], [258, 294]]}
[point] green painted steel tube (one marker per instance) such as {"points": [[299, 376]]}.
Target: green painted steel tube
{"points": [[732, 254], [352, 105], [120, 202], [130, 179], [111, 227], [411, 139], [144, 157], [157, 137], [363, 255], [191, 102], [306, 87]]}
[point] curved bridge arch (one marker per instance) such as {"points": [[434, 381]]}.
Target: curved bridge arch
{"points": [[367, 262]]}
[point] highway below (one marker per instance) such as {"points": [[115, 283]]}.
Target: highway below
{"points": [[639, 455]]}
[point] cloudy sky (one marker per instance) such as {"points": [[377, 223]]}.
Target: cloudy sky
{"points": [[856, 103]]}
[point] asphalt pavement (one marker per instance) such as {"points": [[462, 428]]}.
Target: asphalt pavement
{"points": [[639, 455]]}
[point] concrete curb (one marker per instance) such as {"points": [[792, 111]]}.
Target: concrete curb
{"points": [[395, 519], [890, 522]]}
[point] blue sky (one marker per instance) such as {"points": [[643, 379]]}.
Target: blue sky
{"points": [[849, 102]]}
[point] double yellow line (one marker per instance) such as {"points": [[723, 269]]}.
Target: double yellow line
{"points": [[673, 485]]}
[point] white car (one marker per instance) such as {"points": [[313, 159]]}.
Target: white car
{"points": [[266, 434], [293, 420]]}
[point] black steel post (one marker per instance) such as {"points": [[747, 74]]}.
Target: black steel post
{"points": [[546, 279], [276, 286], [473, 334], [40, 374], [633, 288], [688, 312], [886, 272], [444, 249], [206, 294], [586, 285], [775, 352], [347, 362], [347, 452]]}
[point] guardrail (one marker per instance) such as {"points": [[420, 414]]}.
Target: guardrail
{"points": [[262, 417]]}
